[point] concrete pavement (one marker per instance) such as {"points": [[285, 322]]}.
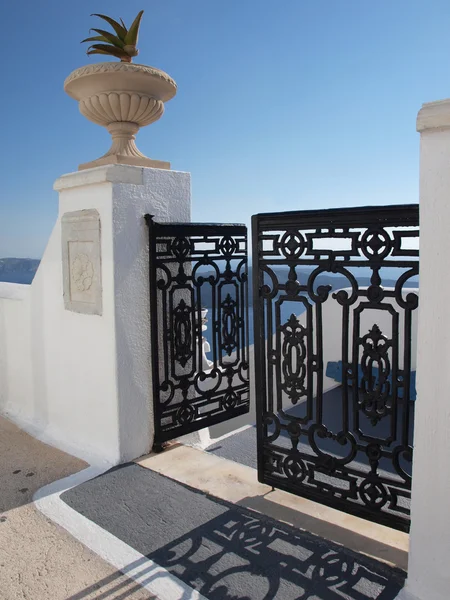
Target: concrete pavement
{"points": [[221, 549], [38, 559]]}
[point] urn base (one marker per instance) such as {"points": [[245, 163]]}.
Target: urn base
{"points": [[118, 159]]}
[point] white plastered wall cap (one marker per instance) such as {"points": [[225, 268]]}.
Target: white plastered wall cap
{"points": [[434, 115], [107, 173]]}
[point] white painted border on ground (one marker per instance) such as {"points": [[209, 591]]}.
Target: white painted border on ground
{"points": [[124, 558]]}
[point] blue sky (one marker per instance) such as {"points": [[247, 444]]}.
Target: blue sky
{"points": [[282, 105]]}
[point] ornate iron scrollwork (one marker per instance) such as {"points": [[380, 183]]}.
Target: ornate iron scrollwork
{"points": [[229, 324], [376, 368], [195, 270], [182, 333], [294, 359], [334, 301]]}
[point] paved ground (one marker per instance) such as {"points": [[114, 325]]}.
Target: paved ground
{"points": [[38, 559], [240, 448], [223, 550], [238, 484]]}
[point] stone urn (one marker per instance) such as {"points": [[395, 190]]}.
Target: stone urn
{"points": [[123, 97]]}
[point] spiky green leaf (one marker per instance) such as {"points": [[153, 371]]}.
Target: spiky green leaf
{"points": [[121, 20], [131, 37], [110, 37], [95, 38], [108, 49], [121, 31], [89, 52]]}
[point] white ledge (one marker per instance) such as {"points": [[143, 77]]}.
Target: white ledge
{"points": [[13, 291], [103, 174], [434, 115]]}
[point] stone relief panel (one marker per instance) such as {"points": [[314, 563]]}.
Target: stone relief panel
{"points": [[81, 255]]}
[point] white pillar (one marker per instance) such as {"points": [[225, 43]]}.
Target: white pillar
{"points": [[429, 557], [86, 357]]}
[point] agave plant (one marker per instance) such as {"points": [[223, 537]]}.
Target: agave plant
{"points": [[122, 45]]}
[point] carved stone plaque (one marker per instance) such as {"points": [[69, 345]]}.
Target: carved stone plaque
{"points": [[80, 235]]}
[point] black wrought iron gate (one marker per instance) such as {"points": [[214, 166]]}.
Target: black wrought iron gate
{"points": [[198, 273], [335, 299]]}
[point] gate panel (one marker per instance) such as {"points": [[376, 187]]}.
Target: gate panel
{"points": [[198, 273], [335, 296]]}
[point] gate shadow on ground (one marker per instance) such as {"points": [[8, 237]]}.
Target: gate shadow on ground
{"points": [[223, 550], [331, 531], [244, 556], [109, 588], [115, 587]]}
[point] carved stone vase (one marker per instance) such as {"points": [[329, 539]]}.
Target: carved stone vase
{"points": [[123, 97]]}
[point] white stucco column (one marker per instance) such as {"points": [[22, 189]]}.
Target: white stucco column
{"points": [[75, 350], [429, 557], [123, 195]]}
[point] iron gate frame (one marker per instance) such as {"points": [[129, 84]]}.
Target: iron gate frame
{"points": [[368, 218], [230, 244]]}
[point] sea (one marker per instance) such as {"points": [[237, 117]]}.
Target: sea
{"points": [[25, 272]]}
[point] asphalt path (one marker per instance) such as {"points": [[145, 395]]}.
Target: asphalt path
{"points": [[223, 550]]}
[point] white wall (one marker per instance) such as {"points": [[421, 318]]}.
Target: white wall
{"points": [[15, 345], [83, 382], [167, 196], [429, 557]]}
